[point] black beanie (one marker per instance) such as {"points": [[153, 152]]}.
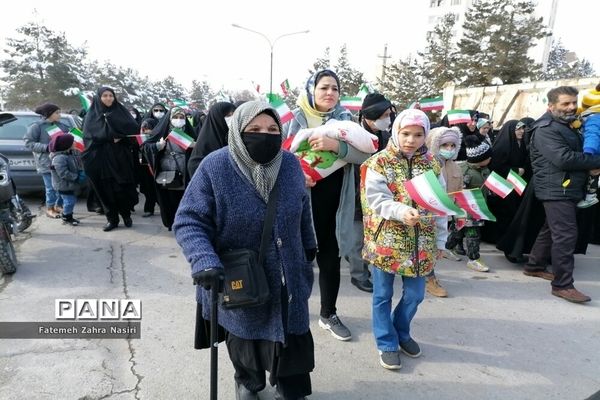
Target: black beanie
{"points": [[61, 142], [477, 149], [374, 105], [46, 109]]}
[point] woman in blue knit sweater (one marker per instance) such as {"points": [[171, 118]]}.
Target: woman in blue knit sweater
{"points": [[224, 208]]}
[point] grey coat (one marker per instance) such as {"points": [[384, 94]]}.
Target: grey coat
{"points": [[65, 171], [557, 159], [37, 139]]}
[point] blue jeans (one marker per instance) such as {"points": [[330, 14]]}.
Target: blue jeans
{"points": [[69, 201], [391, 329], [52, 197]]}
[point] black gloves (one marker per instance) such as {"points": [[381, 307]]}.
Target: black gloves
{"points": [[207, 277], [310, 254]]}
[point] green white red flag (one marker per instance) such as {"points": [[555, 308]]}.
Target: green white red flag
{"points": [[285, 114], [285, 88], [85, 101], [363, 91], [473, 201], [351, 103], [459, 117], [180, 138], [180, 103], [141, 138], [518, 183], [78, 136], [426, 191], [53, 130], [431, 104], [498, 185]]}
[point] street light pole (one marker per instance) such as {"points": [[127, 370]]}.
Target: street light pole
{"points": [[271, 45]]}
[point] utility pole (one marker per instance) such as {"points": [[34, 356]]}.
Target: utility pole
{"points": [[384, 57], [548, 41]]}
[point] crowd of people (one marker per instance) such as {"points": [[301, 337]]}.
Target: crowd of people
{"points": [[213, 177]]}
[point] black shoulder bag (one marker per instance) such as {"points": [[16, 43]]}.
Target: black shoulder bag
{"points": [[171, 177], [245, 283]]}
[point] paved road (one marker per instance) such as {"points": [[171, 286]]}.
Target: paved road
{"points": [[499, 335]]}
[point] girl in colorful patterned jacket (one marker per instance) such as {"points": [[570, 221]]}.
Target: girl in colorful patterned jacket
{"points": [[401, 238]]}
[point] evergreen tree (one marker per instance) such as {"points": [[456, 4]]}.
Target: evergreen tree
{"points": [[350, 79], [439, 61], [497, 36], [169, 89], [201, 94], [321, 63], [405, 83], [41, 65], [559, 67]]}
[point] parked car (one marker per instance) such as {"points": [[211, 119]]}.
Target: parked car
{"points": [[20, 158]]}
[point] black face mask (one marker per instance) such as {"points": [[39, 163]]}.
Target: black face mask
{"points": [[262, 147]]}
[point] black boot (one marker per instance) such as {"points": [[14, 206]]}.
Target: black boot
{"points": [[127, 221], [110, 225], [68, 219]]}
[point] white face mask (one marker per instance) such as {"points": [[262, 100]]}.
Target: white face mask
{"points": [[383, 124], [178, 123], [228, 120], [158, 115], [133, 115]]}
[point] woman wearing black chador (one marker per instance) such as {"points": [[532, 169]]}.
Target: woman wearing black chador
{"points": [[107, 157]]}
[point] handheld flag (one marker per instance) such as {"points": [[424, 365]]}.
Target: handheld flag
{"points": [[427, 192], [78, 136], [53, 130], [85, 101], [498, 185], [285, 88], [474, 203], [285, 114], [459, 117], [180, 138], [351, 103], [518, 183], [431, 104], [363, 91]]}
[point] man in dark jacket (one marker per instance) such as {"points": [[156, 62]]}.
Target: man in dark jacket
{"points": [[560, 170]]}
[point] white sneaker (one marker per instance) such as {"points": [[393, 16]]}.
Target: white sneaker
{"points": [[477, 265], [450, 255], [588, 202]]}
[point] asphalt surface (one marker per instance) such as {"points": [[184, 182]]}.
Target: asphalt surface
{"points": [[500, 335]]}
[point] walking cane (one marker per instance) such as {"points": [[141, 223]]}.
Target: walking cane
{"points": [[214, 340]]}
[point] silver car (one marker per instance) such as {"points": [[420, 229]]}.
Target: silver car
{"points": [[22, 165]]}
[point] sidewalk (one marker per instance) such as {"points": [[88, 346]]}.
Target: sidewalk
{"points": [[500, 335]]}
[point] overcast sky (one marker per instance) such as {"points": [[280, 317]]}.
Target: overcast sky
{"points": [[195, 40]]}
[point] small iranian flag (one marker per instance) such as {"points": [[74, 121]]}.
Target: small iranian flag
{"points": [[426, 191], [53, 130], [141, 138], [498, 185], [459, 117], [351, 103], [78, 135], [518, 183], [285, 114], [474, 203], [363, 91], [180, 138], [85, 101], [433, 103], [180, 103], [285, 88]]}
